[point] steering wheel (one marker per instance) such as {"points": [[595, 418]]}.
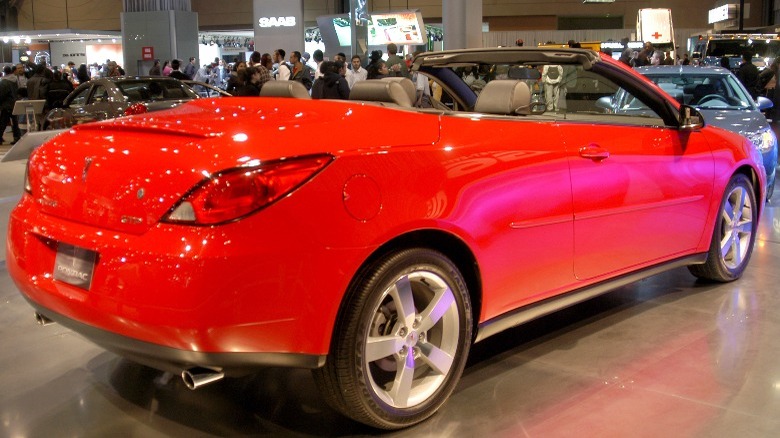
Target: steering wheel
{"points": [[710, 97]]}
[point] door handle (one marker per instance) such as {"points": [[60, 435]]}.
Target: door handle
{"points": [[594, 152]]}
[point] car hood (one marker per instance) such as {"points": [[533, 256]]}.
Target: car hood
{"points": [[741, 122], [126, 174]]}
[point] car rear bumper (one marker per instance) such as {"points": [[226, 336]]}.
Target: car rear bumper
{"points": [[175, 360], [220, 304]]}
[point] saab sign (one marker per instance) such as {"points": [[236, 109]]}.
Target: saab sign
{"points": [[278, 24], [277, 21]]}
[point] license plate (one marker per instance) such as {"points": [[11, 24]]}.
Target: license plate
{"points": [[74, 265]]}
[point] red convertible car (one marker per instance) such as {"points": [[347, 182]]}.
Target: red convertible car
{"points": [[370, 240]]}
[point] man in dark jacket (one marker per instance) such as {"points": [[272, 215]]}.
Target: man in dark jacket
{"points": [[7, 100], [176, 73], [748, 74]]}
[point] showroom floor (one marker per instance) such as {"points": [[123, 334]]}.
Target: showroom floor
{"points": [[664, 357]]}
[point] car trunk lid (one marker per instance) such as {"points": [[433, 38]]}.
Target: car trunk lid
{"points": [[126, 174]]}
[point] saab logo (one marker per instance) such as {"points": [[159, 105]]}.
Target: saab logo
{"points": [[277, 22]]}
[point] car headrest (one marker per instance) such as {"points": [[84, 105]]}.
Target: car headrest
{"points": [[381, 91], [284, 89], [407, 85], [506, 97]]}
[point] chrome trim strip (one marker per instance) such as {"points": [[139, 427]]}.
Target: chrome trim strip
{"points": [[633, 208]]}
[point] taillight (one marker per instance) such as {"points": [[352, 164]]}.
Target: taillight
{"points": [[136, 108], [235, 193]]}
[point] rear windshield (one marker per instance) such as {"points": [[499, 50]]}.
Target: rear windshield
{"points": [[155, 90]]}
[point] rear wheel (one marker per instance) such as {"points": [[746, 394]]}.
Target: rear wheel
{"points": [[401, 343], [734, 234]]}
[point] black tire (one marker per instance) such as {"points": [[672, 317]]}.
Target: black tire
{"points": [[770, 190], [378, 389], [734, 234]]}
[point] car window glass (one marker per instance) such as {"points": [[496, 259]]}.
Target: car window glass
{"points": [[154, 90], [705, 90], [565, 92], [99, 94], [81, 97]]}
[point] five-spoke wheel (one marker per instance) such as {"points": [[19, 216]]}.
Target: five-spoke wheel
{"points": [[734, 234], [402, 342]]}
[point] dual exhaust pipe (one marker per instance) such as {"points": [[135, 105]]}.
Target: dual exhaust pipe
{"points": [[193, 378]]}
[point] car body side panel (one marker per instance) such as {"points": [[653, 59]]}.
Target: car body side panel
{"points": [[656, 180], [513, 205]]}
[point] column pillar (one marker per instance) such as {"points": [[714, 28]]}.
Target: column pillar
{"points": [[278, 24], [359, 28], [462, 21]]}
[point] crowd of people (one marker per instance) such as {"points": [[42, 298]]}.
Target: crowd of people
{"points": [[325, 79]]}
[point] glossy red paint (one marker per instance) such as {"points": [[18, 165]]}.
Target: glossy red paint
{"points": [[538, 216]]}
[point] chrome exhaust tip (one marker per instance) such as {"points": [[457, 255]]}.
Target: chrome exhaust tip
{"points": [[42, 320], [196, 377]]}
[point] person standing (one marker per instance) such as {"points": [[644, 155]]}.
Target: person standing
{"points": [[748, 74], [37, 85], [357, 72], [318, 57], [176, 73], [332, 84], [7, 100], [300, 72], [395, 64], [219, 74], [191, 68], [82, 74], [282, 70], [251, 81], [155, 70], [10, 76]]}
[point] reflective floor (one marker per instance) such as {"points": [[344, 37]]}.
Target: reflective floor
{"points": [[665, 357]]}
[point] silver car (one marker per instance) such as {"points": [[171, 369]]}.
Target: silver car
{"points": [[722, 100], [107, 98]]}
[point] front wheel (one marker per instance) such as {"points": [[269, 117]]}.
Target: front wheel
{"points": [[401, 343], [734, 234]]}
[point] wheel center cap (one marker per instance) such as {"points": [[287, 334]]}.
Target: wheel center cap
{"points": [[412, 339]]}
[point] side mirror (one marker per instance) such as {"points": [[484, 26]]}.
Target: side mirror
{"points": [[605, 103], [764, 103], [690, 118]]}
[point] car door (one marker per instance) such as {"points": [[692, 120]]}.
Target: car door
{"points": [[514, 198], [641, 190]]}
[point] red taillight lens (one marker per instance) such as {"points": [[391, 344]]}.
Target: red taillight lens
{"points": [[136, 108], [235, 193]]}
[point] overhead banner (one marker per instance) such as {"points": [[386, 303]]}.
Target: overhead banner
{"points": [[278, 24]]}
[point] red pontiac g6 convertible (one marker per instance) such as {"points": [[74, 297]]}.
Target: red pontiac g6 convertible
{"points": [[370, 240]]}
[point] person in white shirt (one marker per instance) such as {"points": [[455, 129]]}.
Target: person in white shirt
{"points": [[318, 58], [283, 71], [357, 72]]}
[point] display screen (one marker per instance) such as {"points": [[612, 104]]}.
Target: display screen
{"points": [[397, 27]]}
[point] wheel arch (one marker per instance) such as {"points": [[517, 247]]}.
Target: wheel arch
{"points": [[752, 175], [447, 244]]}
